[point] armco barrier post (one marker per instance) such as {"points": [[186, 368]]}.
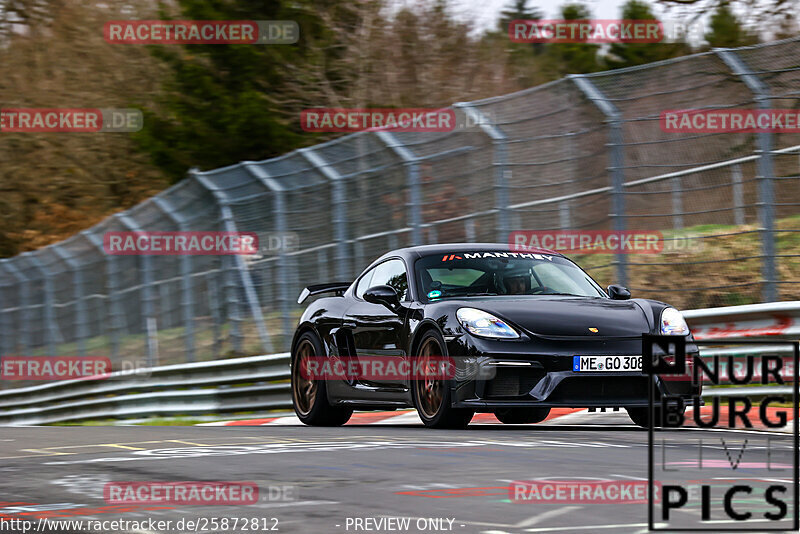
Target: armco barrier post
{"points": [[616, 161], [766, 194]]}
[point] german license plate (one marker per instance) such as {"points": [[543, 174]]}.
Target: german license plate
{"points": [[606, 363]]}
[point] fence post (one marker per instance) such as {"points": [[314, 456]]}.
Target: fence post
{"points": [[279, 212], [6, 327], [53, 336], [575, 170], [358, 254], [677, 204], [738, 195], [616, 161], [469, 230], [216, 320], [339, 218], [414, 195], [502, 173], [77, 292], [147, 288], [322, 264], [237, 265], [563, 215], [115, 314], [23, 307], [766, 194], [187, 296]]}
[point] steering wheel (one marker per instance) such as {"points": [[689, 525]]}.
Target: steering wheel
{"points": [[540, 290]]}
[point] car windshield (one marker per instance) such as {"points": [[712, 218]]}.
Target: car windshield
{"points": [[466, 274]]}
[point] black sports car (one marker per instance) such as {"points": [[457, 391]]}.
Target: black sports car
{"points": [[526, 331]]}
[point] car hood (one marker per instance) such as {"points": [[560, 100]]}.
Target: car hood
{"points": [[560, 316]]}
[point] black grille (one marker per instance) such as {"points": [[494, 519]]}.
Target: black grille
{"points": [[513, 381], [592, 388]]}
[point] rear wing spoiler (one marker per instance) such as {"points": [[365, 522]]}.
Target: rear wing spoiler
{"points": [[334, 287]]}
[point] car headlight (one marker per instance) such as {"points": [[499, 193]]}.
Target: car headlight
{"points": [[673, 323], [484, 324]]}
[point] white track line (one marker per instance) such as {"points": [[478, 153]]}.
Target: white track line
{"points": [[407, 418], [289, 420], [533, 520]]}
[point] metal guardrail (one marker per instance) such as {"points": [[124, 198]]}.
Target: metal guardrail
{"points": [[771, 320], [748, 391], [261, 382], [220, 386]]}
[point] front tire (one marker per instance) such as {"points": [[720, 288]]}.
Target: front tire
{"points": [[431, 395], [522, 416], [310, 396]]}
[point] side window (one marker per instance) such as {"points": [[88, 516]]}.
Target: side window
{"points": [[391, 273], [364, 283]]}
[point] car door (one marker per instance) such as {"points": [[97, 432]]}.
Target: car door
{"points": [[377, 332]]}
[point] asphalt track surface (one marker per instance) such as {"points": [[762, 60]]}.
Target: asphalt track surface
{"points": [[371, 472]]}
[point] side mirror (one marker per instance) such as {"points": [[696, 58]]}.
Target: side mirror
{"points": [[618, 292], [385, 295]]}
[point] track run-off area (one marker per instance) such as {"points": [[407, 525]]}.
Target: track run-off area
{"points": [[379, 473]]}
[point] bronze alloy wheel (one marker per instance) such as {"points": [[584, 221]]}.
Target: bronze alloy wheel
{"points": [[304, 390], [430, 389]]}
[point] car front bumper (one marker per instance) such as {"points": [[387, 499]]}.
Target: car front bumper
{"points": [[489, 379]]}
